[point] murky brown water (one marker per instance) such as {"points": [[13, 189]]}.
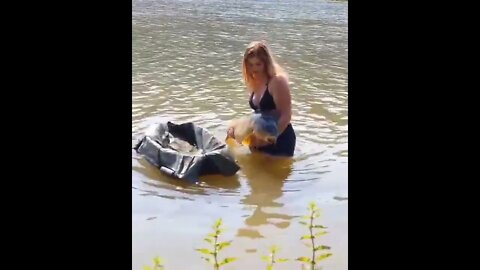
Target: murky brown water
{"points": [[186, 67]]}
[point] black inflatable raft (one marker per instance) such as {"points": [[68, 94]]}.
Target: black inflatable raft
{"points": [[186, 151]]}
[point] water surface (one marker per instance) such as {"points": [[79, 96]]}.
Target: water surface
{"points": [[186, 67]]}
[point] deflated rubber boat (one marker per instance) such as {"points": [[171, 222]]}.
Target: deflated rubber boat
{"points": [[186, 151]]}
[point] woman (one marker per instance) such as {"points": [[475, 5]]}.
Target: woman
{"points": [[269, 92]]}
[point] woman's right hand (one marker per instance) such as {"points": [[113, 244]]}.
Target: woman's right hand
{"points": [[231, 133]]}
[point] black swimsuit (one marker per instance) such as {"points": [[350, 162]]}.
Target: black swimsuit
{"points": [[285, 145]]}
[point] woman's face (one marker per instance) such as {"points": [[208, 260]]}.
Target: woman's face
{"points": [[255, 66]]}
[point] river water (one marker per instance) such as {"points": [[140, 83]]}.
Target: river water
{"points": [[186, 67]]}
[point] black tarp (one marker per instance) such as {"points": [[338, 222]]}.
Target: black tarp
{"points": [[186, 151]]}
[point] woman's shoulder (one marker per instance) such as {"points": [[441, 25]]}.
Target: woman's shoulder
{"points": [[280, 78], [279, 82]]}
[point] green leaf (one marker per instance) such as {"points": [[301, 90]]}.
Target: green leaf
{"points": [[204, 251], [322, 248], [147, 268], [223, 245], [306, 237], [219, 231], [323, 257], [274, 249], [218, 223], [209, 260], [266, 258], [269, 267], [157, 261], [304, 259], [303, 223], [212, 235], [312, 206], [320, 233], [316, 215], [209, 240], [319, 227], [227, 260], [305, 217], [282, 260], [307, 244]]}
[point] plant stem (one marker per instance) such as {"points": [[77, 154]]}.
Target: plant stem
{"points": [[313, 241], [215, 251], [273, 258]]}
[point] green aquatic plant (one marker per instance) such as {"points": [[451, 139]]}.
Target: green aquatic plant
{"points": [[157, 264], [313, 261], [271, 259], [212, 253]]}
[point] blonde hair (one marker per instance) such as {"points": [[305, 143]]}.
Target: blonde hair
{"points": [[260, 50]]}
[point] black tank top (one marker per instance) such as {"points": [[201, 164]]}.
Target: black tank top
{"points": [[266, 103], [286, 141]]}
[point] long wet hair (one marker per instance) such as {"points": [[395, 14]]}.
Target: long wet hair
{"points": [[260, 50]]}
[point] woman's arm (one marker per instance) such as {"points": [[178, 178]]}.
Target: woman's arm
{"points": [[283, 101]]}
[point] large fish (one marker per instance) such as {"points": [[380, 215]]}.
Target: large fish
{"points": [[259, 125]]}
